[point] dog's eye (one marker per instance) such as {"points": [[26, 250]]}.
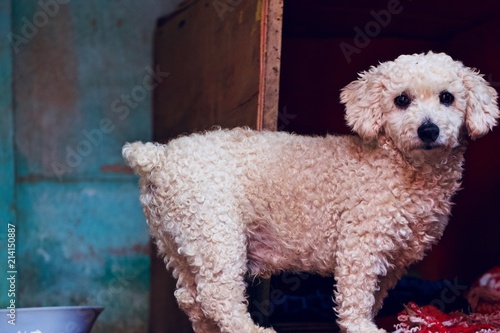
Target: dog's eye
{"points": [[402, 101], [446, 98]]}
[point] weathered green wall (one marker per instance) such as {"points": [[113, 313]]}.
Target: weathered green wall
{"points": [[7, 179], [82, 81]]}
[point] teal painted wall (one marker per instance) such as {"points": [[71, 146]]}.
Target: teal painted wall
{"points": [[79, 76], [7, 179]]}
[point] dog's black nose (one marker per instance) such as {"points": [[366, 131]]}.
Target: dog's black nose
{"points": [[428, 132]]}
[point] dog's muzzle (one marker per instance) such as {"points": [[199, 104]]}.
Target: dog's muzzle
{"points": [[428, 132]]}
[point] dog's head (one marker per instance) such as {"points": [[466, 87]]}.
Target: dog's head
{"points": [[420, 101]]}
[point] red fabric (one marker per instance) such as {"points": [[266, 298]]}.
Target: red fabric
{"points": [[429, 319], [484, 296], [484, 299]]}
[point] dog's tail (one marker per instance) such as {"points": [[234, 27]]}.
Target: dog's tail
{"points": [[142, 157]]}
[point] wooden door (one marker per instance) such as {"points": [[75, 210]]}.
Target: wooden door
{"points": [[222, 60]]}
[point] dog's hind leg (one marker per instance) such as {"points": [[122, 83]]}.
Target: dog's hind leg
{"points": [[187, 302], [186, 298], [220, 265], [186, 292]]}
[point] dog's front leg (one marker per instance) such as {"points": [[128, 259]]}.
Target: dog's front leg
{"points": [[357, 283]]}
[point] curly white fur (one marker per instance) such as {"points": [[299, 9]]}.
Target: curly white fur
{"points": [[229, 203]]}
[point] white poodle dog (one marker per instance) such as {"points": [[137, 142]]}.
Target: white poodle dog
{"points": [[228, 204]]}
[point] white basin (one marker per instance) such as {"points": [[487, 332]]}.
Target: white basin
{"points": [[58, 319]]}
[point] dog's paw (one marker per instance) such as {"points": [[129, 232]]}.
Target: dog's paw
{"points": [[375, 330], [367, 327], [263, 330]]}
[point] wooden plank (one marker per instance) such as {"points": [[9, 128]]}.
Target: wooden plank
{"points": [[267, 117], [271, 36], [212, 52]]}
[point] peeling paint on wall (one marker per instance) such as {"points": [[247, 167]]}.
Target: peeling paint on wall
{"points": [[46, 94], [82, 236]]}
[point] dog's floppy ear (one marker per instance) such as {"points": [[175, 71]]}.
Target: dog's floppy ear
{"points": [[481, 111], [362, 104]]}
